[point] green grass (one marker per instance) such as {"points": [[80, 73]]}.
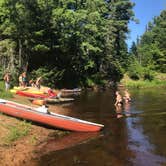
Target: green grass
{"points": [[157, 82], [16, 132], [3, 93], [145, 84]]}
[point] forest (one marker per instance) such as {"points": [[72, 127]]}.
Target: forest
{"points": [[73, 43], [149, 52]]}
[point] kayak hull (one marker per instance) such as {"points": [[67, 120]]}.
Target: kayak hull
{"points": [[33, 95], [51, 101], [58, 100], [52, 119]]}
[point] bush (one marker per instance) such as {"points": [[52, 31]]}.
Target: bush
{"points": [[135, 71], [49, 77], [115, 71], [148, 74]]}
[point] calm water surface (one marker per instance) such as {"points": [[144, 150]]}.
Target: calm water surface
{"points": [[136, 140]]}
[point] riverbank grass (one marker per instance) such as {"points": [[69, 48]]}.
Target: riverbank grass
{"points": [[158, 81], [17, 131], [3, 93]]}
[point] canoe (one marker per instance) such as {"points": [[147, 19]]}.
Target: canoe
{"points": [[34, 91], [20, 88], [38, 101], [50, 101], [29, 94], [76, 90], [58, 100], [16, 88], [51, 119], [13, 90]]}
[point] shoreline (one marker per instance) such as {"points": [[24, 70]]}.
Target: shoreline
{"points": [[20, 140]]}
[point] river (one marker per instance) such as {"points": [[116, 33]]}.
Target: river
{"points": [[137, 138]]}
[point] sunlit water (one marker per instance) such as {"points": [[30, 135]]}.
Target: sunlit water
{"points": [[139, 139]]}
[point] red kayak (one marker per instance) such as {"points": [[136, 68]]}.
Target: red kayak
{"points": [[47, 118], [29, 94]]}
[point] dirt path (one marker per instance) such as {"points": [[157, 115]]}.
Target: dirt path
{"points": [[23, 151]]}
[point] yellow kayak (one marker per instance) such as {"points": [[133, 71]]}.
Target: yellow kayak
{"points": [[13, 90], [20, 88], [34, 91], [16, 88]]}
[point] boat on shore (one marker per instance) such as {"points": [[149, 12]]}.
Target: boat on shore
{"points": [[76, 90], [30, 94], [47, 118], [51, 101]]}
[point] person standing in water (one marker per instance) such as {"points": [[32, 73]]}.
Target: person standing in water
{"points": [[7, 79], [119, 100], [118, 104], [127, 97]]}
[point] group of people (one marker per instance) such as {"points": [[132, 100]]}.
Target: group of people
{"points": [[23, 81], [122, 101]]}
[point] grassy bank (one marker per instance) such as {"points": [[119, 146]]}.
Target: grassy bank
{"points": [[16, 132], [3, 93], [158, 81]]}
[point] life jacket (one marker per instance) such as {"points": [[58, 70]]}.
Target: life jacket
{"points": [[51, 93]]}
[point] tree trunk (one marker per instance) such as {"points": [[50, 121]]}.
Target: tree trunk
{"points": [[20, 53]]}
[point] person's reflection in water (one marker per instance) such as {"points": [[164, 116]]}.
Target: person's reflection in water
{"points": [[127, 109], [119, 111]]}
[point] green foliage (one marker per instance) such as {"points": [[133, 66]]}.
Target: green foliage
{"points": [[1, 74], [148, 74], [50, 78], [115, 71], [3, 93], [41, 48], [151, 52], [76, 40], [144, 84], [16, 132], [135, 70]]}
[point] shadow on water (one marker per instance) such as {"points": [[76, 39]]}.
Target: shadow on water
{"points": [[136, 138], [70, 140]]}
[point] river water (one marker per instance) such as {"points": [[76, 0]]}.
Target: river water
{"points": [[137, 138]]}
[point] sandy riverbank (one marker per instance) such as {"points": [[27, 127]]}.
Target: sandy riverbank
{"points": [[24, 150]]}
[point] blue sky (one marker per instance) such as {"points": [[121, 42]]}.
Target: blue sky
{"points": [[144, 11]]}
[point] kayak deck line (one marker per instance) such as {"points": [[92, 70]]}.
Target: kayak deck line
{"points": [[22, 107]]}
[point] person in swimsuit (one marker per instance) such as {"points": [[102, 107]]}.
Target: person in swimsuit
{"points": [[127, 97], [119, 100], [24, 79], [38, 82], [7, 79]]}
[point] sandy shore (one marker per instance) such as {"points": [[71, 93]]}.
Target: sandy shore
{"points": [[25, 150]]}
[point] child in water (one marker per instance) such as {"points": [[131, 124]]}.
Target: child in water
{"points": [[118, 105], [119, 100], [127, 97]]}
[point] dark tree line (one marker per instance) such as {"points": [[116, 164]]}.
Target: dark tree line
{"points": [[68, 42]]}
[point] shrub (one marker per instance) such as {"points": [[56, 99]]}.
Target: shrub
{"points": [[135, 71], [148, 74]]}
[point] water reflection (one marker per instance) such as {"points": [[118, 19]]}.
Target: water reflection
{"points": [[123, 110], [67, 141], [133, 139], [140, 140], [119, 110], [127, 109]]}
